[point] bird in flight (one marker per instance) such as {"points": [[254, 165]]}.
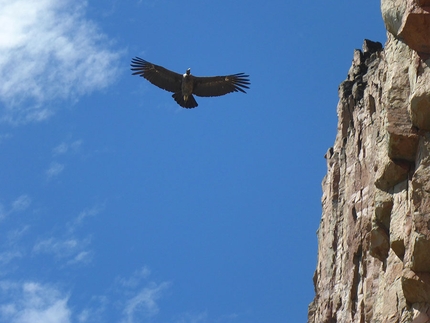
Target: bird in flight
{"points": [[185, 85]]}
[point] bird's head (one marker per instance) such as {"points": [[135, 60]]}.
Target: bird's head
{"points": [[188, 71]]}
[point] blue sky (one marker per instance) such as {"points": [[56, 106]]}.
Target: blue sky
{"points": [[117, 205]]}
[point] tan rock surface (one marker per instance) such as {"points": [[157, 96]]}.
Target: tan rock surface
{"points": [[374, 236], [409, 21]]}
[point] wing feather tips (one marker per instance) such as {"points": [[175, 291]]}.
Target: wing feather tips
{"points": [[240, 82], [157, 75], [139, 61], [139, 66]]}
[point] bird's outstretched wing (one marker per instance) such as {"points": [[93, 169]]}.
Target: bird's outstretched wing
{"points": [[157, 75], [220, 85]]}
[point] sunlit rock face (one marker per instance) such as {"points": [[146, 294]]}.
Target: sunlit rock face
{"points": [[374, 236], [409, 21]]}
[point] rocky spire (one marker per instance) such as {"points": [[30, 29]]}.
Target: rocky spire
{"points": [[374, 236]]}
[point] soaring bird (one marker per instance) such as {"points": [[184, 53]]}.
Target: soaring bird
{"points": [[185, 85]]}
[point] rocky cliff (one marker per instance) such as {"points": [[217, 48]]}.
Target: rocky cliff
{"points": [[374, 236]]}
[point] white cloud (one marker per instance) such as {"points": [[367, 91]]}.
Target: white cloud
{"points": [[71, 249], [89, 212], [54, 170], [49, 51], [21, 203], [82, 257], [60, 247], [86, 213], [33, 303], [64, 147], [61, 149], [14, 236], [11, 249], [96, 312], [7, 256], [136, 278], [143, 304]]}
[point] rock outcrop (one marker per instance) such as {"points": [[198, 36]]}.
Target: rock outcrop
{"points": [[374, 236]]}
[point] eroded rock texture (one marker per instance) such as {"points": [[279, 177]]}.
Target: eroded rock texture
{"points": [[374, 236]]}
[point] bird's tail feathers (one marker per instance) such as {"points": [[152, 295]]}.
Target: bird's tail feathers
{"points": [[179, 98]]}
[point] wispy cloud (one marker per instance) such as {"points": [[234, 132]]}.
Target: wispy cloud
{"points": [[20, 204], [71, 249], [89, 212], [144, 303], [66, 147], [15, 235], [141, 296], [95, 312], [11, 249], [82, 257], [60, 149], [32, 302], [59, 247], [49, 51], [7, 256], [69, 246], [54, 170], [135, 279]]}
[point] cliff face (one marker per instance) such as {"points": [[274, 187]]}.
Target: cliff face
{"points": [[374, 236]]}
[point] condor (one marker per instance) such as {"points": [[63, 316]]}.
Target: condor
{"points": [[184, 86]]}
